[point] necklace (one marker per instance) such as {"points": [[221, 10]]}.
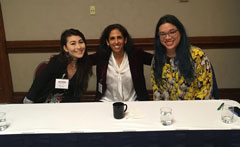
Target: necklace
{"points": [[71, 70], [73, 64]]}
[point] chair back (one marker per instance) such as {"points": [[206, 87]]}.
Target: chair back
{"points": [[215, 92], [39, 68]]}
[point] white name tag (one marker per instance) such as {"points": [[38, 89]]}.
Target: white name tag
{"points": [[61, 83]]}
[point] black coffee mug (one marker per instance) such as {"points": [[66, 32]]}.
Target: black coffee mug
{"points": [[119, 110]]}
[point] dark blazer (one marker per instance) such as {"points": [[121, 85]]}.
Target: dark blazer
{"points": [[137, 59]]}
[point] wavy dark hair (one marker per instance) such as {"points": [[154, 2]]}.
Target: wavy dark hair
{"points": [[183, 57], [104, 50], [84, 67]]}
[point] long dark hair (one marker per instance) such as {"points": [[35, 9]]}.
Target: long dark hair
{"points": [[183, 57], [84, 68], [104, 50]]}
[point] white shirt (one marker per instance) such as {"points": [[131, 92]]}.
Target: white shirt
{"points": [[119, 81]]}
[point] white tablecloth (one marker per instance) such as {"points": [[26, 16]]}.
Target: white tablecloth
{"points": [[98, 117]]}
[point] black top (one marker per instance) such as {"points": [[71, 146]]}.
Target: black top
{"points": [[44, 84]]}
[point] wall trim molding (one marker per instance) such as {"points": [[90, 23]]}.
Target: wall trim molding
{"points": [[46, 46], [225, 93]]}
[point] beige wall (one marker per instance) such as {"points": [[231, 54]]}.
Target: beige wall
{"points": [[46, 19]]}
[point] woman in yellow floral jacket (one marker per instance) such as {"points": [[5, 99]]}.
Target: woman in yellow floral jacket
{"points": [[179, 71]]}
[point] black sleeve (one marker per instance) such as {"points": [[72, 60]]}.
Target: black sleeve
{"points": [[45, 82], [147, 58], [93, 58]]}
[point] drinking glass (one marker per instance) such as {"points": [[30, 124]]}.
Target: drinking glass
{"points": [[3, 122], [227, 114], [166, 116]]}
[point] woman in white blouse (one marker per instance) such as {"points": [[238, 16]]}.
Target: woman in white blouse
{"points": [[120, 75]]}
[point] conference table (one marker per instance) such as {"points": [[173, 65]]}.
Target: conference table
{"points": [[195, 123]]}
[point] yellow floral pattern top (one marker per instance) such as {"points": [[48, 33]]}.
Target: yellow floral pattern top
{"points": [[174, 87]]}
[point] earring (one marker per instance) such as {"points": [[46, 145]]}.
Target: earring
{"points": [[67, 54]]}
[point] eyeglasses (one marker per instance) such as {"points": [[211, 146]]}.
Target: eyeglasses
{"points": [[171, 33]]}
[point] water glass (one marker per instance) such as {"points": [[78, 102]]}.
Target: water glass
{"points": [[227, 114], [166, 116], [3, 122]]}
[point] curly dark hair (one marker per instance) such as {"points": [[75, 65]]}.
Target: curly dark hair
{"points": [[104, 50], [183, 57], [84, 67]]}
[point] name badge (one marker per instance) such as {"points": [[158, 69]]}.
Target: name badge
{"points": [[100, 87], [61, 83]]}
